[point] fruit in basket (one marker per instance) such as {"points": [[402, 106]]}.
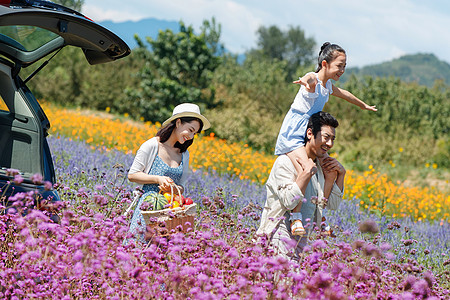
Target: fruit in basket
{"points": [[179, 199], [168, 196], [175, 204], [157, 200], [188, 201]]}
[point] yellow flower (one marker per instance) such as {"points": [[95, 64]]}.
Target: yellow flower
{"points": [[400, 149]]}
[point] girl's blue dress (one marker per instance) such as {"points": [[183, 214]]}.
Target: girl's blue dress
{"points": [[159, 167], [293, 130]]}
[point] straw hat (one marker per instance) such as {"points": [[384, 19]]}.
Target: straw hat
{"points": [[187, 110]]}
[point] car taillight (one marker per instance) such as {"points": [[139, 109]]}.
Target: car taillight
{"points": [[5, 2]]}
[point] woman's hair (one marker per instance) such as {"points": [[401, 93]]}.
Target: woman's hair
{"points": [[165, 132], [328, 52]]}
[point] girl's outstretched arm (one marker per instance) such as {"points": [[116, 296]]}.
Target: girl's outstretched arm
{"points": [[347, 96], [309, 81]]}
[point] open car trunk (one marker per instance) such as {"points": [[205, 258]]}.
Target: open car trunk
{"points": [[29, 31]]}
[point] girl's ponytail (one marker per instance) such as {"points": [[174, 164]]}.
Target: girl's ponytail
{"points": [[328, 53]]}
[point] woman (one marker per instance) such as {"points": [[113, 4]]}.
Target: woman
{"points": [[163, 160]]}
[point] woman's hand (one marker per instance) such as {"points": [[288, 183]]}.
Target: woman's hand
{"points": [[164, 183], [175, 190]]}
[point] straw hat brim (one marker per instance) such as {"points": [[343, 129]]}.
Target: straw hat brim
{"points": [[206, 124]]}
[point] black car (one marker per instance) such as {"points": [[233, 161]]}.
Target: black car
{"points": [[29, 31]]}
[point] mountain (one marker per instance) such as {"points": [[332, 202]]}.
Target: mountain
{"points": [[147, 27], [421, 68], [143, 28]]}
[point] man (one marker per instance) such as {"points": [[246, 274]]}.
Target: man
{"points": [[285, 188]]}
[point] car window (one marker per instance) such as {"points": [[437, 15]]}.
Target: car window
{"points": [[25, 38], [3, 105]]}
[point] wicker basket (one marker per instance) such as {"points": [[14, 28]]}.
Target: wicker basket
{"points": [[171, 218]]}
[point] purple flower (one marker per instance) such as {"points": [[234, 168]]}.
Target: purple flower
{"points": [[409, 282], [368, 226], [420, 288], [385, 247], [320, 280], [232, 253], [78, 255], [319, 244], [290, 243], [48, 185], [18, 179], [78, 269], [12, 172], [219, 260], [37, 178]]}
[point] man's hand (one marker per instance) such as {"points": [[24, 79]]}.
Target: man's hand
{"points": [[330, 165], [334, 171], [303, 178], [308, 166]]}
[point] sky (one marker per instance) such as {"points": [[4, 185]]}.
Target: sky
{"points": [[371, 32]]}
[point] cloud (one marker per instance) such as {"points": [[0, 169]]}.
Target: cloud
{"points": [[371, 32], [99, 14]]}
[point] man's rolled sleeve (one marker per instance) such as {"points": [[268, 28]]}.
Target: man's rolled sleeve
{"points": [[335, 198]]}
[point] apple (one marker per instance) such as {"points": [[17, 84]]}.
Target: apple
{"points": [[179, 198], [188, 201]]}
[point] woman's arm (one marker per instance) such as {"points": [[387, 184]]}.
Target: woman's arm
{"points": [[163, 182], [143, 178], [349, 97], [145, 156]]}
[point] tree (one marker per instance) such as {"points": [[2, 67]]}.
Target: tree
{"points": [[254, 98], [291, 46], [178, 69], [299, 49], [211, 32], [272, 41]]}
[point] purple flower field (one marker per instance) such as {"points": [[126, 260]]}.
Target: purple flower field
{"points": [[84, 257]]}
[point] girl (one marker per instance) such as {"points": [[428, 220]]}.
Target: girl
{"points": [[163, 160], [313, 94]]}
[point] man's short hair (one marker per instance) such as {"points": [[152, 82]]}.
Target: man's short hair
{"points": [[319, 119]]}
